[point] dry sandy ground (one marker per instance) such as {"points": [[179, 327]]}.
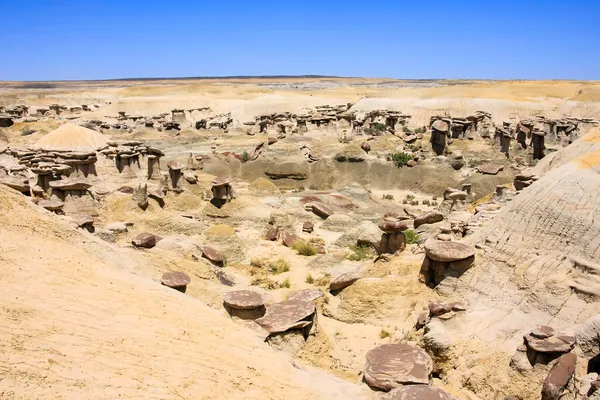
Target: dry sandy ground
{"points": [[78, 325]]}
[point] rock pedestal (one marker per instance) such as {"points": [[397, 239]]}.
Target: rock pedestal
{"points": [[222, 190], [175, 174], [443, 259]]}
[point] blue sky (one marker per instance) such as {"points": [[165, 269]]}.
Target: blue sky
{"points": [[100, 39]]}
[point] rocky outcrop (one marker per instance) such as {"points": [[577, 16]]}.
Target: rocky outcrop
{"points": [[445, 259]]}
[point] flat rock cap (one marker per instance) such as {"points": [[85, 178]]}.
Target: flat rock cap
{"points": [[392, 365], [175, 279], [440, 125], [289, 314], [244, 299], [442, 251], [306, 295]]}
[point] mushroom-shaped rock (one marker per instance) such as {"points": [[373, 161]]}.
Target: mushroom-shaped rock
{"points": [[559, 376], [18, 184], [244, 299], [289, 314], [175, 165], [344, 280], [428, 218], [418, 392], [308, 227], [458, 195], [306, 295], [440, 125], [51, 205], [70, 184], [392, 365], [490, 169], [553, 344], [391, 225], [448, 251], [175, 279], [322, 210], [145, 240], [212, 254]]}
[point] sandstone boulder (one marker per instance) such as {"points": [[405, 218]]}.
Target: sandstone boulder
{"points": [[306, 295], [289, 314], [392, 365], [559, 376], [428, 218], [146, 240], [213, 255], [490, 169]]}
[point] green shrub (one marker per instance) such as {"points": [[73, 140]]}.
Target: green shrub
{"points": [[411, 236], [360, 253], [378, 126], [323, 281], [304, 248], [27, 131], [279, 266], [420, 130], [401, 158], [384, 334], [405, 129], [245, 156]]}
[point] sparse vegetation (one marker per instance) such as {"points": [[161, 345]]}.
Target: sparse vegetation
{"points": [[384, 334], [401, 158], [425, 202], [305, 248], [323, 281], [378, 126], [405, 201], [245, 156], [285, 284], [405, 129], [27, 131], [388, 197], [411, 236], [279, 266], [264, 283], [360, 253], [421, 129], [410, 197], [309, 279]]}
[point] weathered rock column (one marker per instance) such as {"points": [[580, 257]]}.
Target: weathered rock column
{"points": [[538, 145], [439, 129], [153, 167], [392, 240], [222, 191], [175, 173], [443, 259]]}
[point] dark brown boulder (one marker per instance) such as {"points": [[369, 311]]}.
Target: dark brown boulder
{"points": [[289, 314], [392, 365], [428, 218], [175, 166], [146, 240], [344, 280], [244, 299], [175, 279], [272, 234], [322, 210], [289, 239], [418, 392], [213, 255], [559, 376], [542, 332]]}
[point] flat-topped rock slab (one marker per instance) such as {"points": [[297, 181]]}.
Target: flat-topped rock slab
{"points": [[289, 314], [244, 299], [392, 365], [443, 251]]}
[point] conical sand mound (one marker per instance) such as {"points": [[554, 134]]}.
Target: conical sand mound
{"points": [[72, 137]]}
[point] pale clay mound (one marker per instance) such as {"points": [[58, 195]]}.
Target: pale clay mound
{"points": [[72, 137], [76, 325], [526, 274]]}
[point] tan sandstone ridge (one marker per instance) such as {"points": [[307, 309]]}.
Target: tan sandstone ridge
{"points": [[77, 325]]}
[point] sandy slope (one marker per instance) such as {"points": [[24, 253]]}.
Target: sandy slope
{"points": [[77, 325]]}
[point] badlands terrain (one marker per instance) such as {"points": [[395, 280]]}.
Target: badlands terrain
{"points": [[300, 238]]}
